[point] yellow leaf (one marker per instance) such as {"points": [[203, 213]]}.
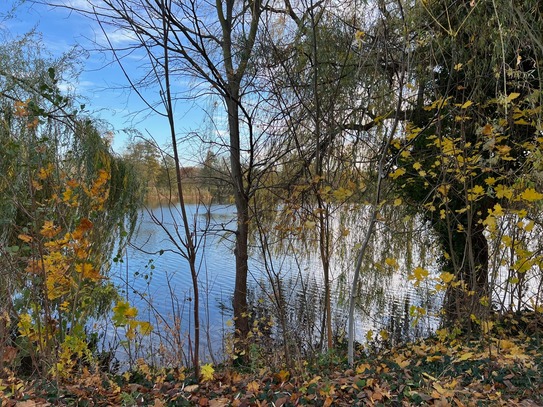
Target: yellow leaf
{"points": [[383, 334], [522, 213], [206, 372], [362, 368], [419, 274], [506, 344], [446, 277], [498, 210], [49, 229], [512, 96], [131, 312], [529, 226], [398, 173], [466, 105], [465, 356], [477, 190], [441, 391], [531, 194], [369, 335], [67, 195], [391, 262], [398, 202], [417, 166], [503, 191], [87, 270], [487, 326], [145, 327], [457, 67], [342, 193], [401, 361], [443, 189], [504, 151]]}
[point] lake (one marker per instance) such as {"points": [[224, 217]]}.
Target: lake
{"points": [[154, 277]]}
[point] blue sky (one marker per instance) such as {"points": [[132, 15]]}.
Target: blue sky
{"points": [[101, 82]]}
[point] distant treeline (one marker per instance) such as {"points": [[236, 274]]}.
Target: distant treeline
{"points": [[205, 182]]}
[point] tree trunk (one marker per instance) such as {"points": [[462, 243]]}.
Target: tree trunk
{"points": [[463, 302], [241, 318]]}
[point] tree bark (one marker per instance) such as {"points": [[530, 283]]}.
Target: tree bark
{"points": [[241, 317], [463, 302]]}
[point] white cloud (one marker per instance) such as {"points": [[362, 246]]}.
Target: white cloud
{"points": [[117, 38]]}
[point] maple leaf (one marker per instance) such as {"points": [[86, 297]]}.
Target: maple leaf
{"points": [[531, 194], [206, 372], [503, 192], [419, 274]]}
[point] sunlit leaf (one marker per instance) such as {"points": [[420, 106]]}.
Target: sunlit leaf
{"points": [[207, 371], [512, 96], [398, 173], [446, 277], [362, 368], [503, 191], [530, 194], [465, 356], [418, 274]]}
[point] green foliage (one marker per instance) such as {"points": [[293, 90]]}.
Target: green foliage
{"points": [[64, 197]]}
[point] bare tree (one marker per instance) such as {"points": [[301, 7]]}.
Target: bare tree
{"points": [[212, 44]]}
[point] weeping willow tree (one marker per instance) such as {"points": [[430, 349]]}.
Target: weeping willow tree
{"points": [[66, 201], [472, 130]]}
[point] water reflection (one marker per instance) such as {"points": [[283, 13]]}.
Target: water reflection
{"points": [[286, 286]]}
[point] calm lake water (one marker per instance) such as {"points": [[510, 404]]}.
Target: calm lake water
{"points": [[155, 277]]}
